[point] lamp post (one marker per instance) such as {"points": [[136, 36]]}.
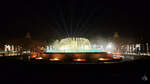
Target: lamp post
{"points": [[147, 48]]}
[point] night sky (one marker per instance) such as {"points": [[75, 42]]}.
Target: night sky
{"points": [[52, 19]]}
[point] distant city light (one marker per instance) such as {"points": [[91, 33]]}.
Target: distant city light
{"points": [[7, 48], [109, 46]]}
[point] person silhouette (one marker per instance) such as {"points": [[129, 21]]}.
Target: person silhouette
{"points": [[145, 78]]}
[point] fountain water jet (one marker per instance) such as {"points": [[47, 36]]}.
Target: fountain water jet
{"points": [[72, 45]]}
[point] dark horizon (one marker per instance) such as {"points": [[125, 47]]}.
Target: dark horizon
{"points": [[62, 18]]}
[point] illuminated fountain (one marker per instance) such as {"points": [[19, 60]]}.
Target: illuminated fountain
{"points": [[71, 45], [77, 49]]}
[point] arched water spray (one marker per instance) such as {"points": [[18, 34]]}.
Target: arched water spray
{"points": [[72, 45]]}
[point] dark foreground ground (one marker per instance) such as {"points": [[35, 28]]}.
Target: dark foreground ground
{"points": [[24, 72]]}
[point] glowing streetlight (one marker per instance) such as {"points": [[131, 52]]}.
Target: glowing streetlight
{"points": [[109, 46]]}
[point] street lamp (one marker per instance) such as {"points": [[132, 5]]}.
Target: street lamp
{"points": [[147, 48]]}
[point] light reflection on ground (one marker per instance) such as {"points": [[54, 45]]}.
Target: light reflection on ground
{"points": [[81, 58]]}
